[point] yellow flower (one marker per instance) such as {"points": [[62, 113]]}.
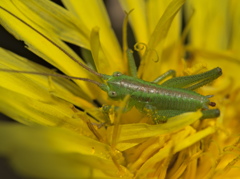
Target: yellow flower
{"points": [[60, 138]]}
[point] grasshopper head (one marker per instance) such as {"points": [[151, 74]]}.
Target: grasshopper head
{"points": [[115, 86]]}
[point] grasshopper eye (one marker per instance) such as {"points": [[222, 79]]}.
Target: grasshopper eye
{"points": [[112, 94], [117, 73]]}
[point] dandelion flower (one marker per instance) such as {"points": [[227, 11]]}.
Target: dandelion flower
{"points": [[66, 134]]}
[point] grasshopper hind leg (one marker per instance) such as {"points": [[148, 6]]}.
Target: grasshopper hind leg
{"points": [[210, 113], [193, 82], [163, 115]]}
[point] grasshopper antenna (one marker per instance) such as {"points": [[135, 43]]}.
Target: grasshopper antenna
{"points": [[60, 48], [101, 85]]}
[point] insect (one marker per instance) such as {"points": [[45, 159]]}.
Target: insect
{"points": [[161, 101]]}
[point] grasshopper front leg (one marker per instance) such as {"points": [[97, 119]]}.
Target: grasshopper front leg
{"points": [[107, 110]]}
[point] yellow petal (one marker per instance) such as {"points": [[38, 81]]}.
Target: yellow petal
{"points": [[137, 19], [28, 98], [171, 48], [174, 146], [155, 10], [87, 11], [38, 87], [235, 33], [152, 59], [102, 65], [55, 19], [55, 153], [210, 26], [54, 112], [44, 47], [133, 134]]}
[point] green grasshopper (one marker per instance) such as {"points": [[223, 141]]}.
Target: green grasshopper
{"points": [[171, 98]]}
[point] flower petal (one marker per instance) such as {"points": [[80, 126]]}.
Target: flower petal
{"points": [[45, 44], [55, 19], [102, 65], [12, 61], [86, 11], [137, 18], [174, 146], [210, 25], [41, 92], [211, 41], [55, 153], [133, 134], [48, 112], [153, 55], [235, 34], [38, 87]]}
